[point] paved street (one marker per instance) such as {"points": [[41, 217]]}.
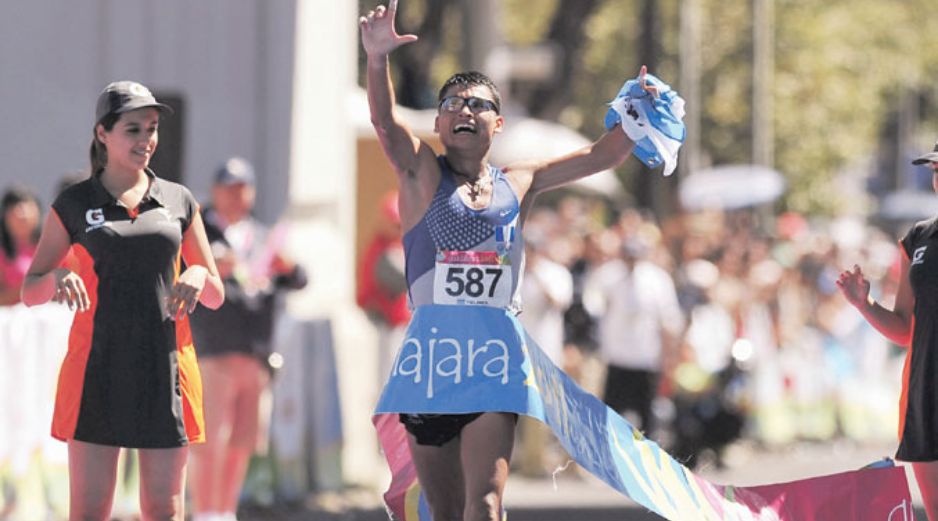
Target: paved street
{"points": [[577, 497]]}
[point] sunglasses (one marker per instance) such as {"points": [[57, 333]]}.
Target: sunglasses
{"points": [[476, 105]]}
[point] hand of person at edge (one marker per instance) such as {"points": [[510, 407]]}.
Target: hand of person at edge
{"points": [[379, 36], [855, 287]]}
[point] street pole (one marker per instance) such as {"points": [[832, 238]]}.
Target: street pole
{"points": [[690, 86], [481, 31], [763, 27]]}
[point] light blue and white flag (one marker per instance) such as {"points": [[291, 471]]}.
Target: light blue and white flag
{"points": [[656, 125]]}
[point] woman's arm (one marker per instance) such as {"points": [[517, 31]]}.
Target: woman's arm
{"points": [[200, 282], [45, 280]]}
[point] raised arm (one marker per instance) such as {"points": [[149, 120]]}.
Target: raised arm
{"points": [[609, 151], [380, 38]]}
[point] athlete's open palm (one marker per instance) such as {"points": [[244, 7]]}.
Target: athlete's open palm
{"points": [[379, 35]]}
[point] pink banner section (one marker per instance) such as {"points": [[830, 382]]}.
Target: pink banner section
{"points": [[393, 440], [868, 494]]}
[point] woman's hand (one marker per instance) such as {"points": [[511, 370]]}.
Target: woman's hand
{"points": [[185, 294], [379, 37], [70, 290], [854, 286]]}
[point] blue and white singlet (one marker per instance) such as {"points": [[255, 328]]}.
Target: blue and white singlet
{"points": [[457, 255]]}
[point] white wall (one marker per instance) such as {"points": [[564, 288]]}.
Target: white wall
{"points": [[230, 59]]}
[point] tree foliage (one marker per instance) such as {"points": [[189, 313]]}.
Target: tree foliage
{"points": [[839, 70]]}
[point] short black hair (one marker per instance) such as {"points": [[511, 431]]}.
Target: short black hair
{"points": [[468, 79]]}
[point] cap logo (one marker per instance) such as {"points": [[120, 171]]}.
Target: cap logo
{"points": [[138, 90]]}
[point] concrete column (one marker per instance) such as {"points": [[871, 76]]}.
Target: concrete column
{"points": [[322, 213]]}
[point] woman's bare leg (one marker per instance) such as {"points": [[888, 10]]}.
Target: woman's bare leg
{"points": [[92, 475], [926, 474], [162, 483]]}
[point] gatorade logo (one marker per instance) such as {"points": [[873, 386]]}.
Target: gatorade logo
{"points": [[918, 256], [95, 219]]}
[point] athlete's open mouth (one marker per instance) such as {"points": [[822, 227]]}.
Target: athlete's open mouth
{"points": [[464, 127]]}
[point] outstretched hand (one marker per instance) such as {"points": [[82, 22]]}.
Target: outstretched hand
{"points": [[854, 286], [379, 36]]}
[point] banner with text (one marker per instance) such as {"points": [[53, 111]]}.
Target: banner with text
{"points": [[461, 359]]}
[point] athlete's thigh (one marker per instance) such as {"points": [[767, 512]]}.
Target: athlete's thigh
{"points": [[440, 474], [486, 453]]}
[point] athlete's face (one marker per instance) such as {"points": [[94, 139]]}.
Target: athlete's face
{"points": [[132, 141], [471, 122]]}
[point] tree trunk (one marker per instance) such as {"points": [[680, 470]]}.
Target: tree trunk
{"points": [[567, 31], [413, 61], [649, 50]]}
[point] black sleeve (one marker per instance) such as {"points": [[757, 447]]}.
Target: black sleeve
{"points": [[189, 207], [67, 208], [911, 238]]}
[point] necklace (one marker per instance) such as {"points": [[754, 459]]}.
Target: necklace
{"points": [[476, 186]]}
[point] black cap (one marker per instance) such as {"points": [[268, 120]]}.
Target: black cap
{"points": [[123, 96], [235, 171], [927, 158]]}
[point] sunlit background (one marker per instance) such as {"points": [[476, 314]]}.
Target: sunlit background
{"points": [[802, 119]]}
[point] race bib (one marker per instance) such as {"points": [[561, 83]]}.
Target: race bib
{"points": [[478, 278]]}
